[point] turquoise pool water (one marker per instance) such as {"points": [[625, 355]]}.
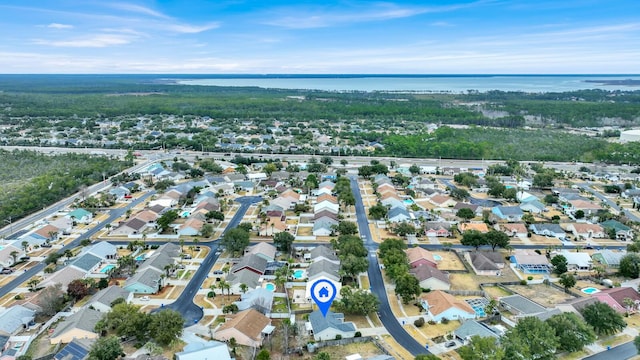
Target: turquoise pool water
{"points": [[590, 290], [408, 201], [106, 269], [299, 274], [270, 287], [437, 257], [185, 214], [141, 257]]}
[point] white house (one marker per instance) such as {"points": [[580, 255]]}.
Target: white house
{"points": [[327, 328]]}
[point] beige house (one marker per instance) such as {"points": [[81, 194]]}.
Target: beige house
{"points": [[246, 327], [77, 326]]}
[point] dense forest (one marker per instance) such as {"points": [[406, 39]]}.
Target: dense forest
{"points": [[501, 125], [30, 181]]}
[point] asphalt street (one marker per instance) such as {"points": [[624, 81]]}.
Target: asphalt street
{"points": [[113, 215], [629, 214], [620, 352], [191, 312], [387, 317]]}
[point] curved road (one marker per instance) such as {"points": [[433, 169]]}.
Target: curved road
{"points": [[191, 312], [387, 317]]}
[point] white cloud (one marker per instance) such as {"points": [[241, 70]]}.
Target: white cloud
{"points": [[191, 29], [59, 26], [137, 9], [91, 41]]}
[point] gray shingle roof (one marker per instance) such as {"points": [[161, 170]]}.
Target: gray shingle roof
{"points": [[102, 249], [323, 251], [85, 319], [427, 272], [333, 320], [482, 262], [86, 262], [470, 328], [148, 277], [108, 295], [158, 261], [522, 304], [253, 261], [14, 318], [247, 277], [510, 210], [323, 266]]}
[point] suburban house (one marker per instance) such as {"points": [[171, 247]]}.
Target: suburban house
{"points": [[398, 214], [615, 297], [585, 231], [431, 278], [486, 263], [514, 229], [132, 227], [508, 213], [520, 306], [477, 226], [145, 281], [477, 209], [246, 327], [326, 205], [442, 201], [327, 328], [15, 319], [440, 305], [204, 350], [64, 225], [437, 229], [471, 328], [103, 299], [77, 326], [263, 250], [609, 258], [63, 277], [6, 257], [530, 262], [418, 256], [533, 206], [322, 252], [249, 271], [576, 261], [191, 227], [576, 305], [80, 215], [260, 299], [587, 207], [77, 349], [623, 232], [323, 227], [104, 250], [323, 269], [548, 229]]}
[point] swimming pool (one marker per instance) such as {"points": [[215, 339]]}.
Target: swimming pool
{"points": [[141, 257], [437, 257], [270, 286], [106, 269], [590, 290], [408, 201], [299, 274]]}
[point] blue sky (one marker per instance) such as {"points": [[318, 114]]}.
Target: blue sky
{"points": [[323, 36]]}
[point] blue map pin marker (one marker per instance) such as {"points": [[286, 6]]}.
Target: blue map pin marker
{"points": [[323, 292]]}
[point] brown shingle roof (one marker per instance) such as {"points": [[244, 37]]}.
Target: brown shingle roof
{"points": [[249, 322], [439, 301]]}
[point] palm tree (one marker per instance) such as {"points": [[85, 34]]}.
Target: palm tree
{"points": [[244, 288], [223, 285], [181, 245], [68, 253], [25, 245], [14, 255], [628, 304], [33, 283]]}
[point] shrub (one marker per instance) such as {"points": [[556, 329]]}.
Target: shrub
{"points": [[444, 321], [17, 297], [211, 294], [425, 291], [529, 278], [419, 322], [538, 251], [523, 282], [431, 322], [357, 334], [338, 337]]}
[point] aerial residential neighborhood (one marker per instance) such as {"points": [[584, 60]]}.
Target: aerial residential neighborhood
{"points": [[235, 253]]}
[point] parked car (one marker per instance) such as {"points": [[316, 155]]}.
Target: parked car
{"points": [[25, 258], [450, 344], [144, 298], [46, 245], [6, 271]]}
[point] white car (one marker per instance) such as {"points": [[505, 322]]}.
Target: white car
{"points": [[144, 298]]}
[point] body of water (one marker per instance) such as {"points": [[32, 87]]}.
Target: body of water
{"points": [[421, 83]]}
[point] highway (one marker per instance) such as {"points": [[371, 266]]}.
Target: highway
{"points": [[184, 303], [387, 317], [113, 215]]}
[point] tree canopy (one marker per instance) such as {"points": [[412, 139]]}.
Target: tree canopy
{"points": [[603, 319], [235, 240]]}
